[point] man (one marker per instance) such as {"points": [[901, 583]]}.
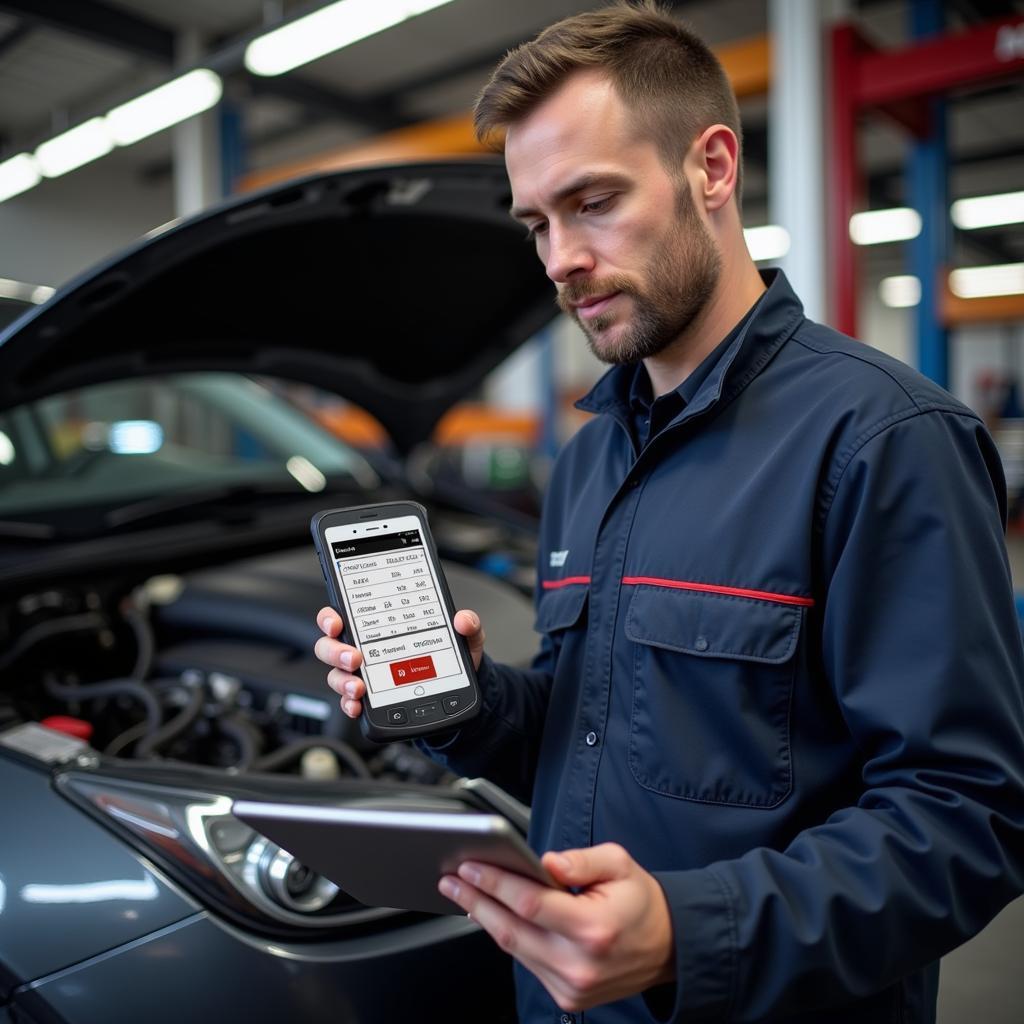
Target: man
{"points": [[775, 727]]}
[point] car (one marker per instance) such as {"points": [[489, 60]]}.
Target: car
{"points": [[158, 589]]}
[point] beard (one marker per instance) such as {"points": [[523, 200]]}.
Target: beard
{"points": [[677, 285]]}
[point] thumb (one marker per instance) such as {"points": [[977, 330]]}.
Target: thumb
{"points": [[588, 866], [468, 624]]}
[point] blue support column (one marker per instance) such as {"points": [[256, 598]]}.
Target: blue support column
{"points": [[928, 193], [232, 145], [549, 393]]}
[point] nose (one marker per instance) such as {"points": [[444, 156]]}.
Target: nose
{"points": [[565, 254]]}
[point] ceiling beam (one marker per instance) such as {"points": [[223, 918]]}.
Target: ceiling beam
{"points": [[484, 59], [110, 26], [15, 36], [378, 113], [974, 11], [991, 247], [480, 60], [129, 32], [885, 184]]}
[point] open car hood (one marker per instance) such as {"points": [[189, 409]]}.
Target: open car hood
{"points": [[398, 288]]}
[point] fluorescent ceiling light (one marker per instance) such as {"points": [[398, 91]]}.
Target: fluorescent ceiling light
{"points": [[329, 29], [36, 293], [80, 145], [900, 291], [988, 211], [17, 175], [877, 226], [164, 106], [767, 243], [984, 282], [306, 473]]}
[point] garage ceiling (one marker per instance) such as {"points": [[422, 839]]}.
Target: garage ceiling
{"points": [[62, 61]]}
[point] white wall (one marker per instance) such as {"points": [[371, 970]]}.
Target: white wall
{"points": [[982, 349], [64, 226], [973, 350], [889, 330]]}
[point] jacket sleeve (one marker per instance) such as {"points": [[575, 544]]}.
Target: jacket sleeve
{"points": [[921, 649], [502, 743]]}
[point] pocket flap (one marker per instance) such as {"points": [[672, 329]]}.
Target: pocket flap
{"points": [[561, 607], [713, 625]]}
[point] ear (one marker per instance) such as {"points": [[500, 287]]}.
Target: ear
{"points": [[716, 154]]}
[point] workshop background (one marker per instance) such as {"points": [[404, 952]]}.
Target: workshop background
{"points": [[884, 171]]}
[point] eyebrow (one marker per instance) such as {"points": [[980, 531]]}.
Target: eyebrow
{"points": [[584, 181]]}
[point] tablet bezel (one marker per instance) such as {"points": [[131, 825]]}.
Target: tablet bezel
{"points": [[392, 857]]}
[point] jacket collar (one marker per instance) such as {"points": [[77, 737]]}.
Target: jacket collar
{"points": [[778, 313]]}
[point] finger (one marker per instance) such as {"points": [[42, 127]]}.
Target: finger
{"points": [[530, 901], [329, 621], [588, 866], [551, 957], [335, 653], [352, 708], [345, 685], [523, 940], [469, 625]]}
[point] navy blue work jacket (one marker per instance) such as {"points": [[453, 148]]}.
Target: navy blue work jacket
{"points": [[780, 665]]}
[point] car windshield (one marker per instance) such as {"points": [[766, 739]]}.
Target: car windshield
{"points": [[111, 443]]}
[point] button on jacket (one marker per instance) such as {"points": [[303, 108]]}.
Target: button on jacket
{"points": [[780, 664]]}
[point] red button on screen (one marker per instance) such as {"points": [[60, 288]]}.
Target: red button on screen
{"points": [[413, 670]]}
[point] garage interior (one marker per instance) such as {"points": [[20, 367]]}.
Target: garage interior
{"points": [[902, 223]]}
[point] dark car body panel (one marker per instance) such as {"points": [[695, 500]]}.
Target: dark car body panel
{"points": [[231, 977], [399, 288], [71, 887]]}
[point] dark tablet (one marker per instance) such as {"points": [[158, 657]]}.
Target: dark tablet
{"points": [[387, 857]]}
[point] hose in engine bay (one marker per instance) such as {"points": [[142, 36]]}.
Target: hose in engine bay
{"points": [[87, 622], [245, 736], [110, 688], [150, 744], [286, 755]]}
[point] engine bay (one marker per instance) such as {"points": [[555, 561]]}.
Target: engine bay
{"points": [[213, 668]]}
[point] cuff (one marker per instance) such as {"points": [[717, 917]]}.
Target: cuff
{"points": [[703, 925], [439, 743]]}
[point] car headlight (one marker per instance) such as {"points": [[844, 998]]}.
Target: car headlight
{"points": [[183, 822]]}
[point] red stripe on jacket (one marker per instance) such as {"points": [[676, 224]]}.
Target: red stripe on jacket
{"points": [[711, 588]]}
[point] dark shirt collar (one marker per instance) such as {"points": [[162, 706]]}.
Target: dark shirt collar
{"points": [[640, 393], [736, 359], [648, 415]]}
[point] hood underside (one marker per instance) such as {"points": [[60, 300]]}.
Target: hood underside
{"points": [[398, 288]]}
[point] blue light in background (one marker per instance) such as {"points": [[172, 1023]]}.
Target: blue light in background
{"points": [[135, 437]]}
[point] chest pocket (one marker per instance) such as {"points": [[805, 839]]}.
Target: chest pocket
{"points": [[712, 688], [561, 607]]}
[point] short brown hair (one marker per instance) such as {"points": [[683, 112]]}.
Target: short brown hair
{"points": [[664, 73]]}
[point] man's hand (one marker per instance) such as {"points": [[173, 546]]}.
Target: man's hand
{"points": [[345, 660], [612, 939]]}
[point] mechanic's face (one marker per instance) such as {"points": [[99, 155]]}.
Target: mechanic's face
{"points": [[619, 235]]}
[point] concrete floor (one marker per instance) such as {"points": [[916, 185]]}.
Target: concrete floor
{"points": [[982, 982]]}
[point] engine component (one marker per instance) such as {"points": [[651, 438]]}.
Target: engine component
{"points": [[70, 726], [285, 695], [319, 763], [327, 744]]}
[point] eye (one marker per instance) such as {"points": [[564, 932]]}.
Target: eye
{"points": [[598, 205], [536, 229]]}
